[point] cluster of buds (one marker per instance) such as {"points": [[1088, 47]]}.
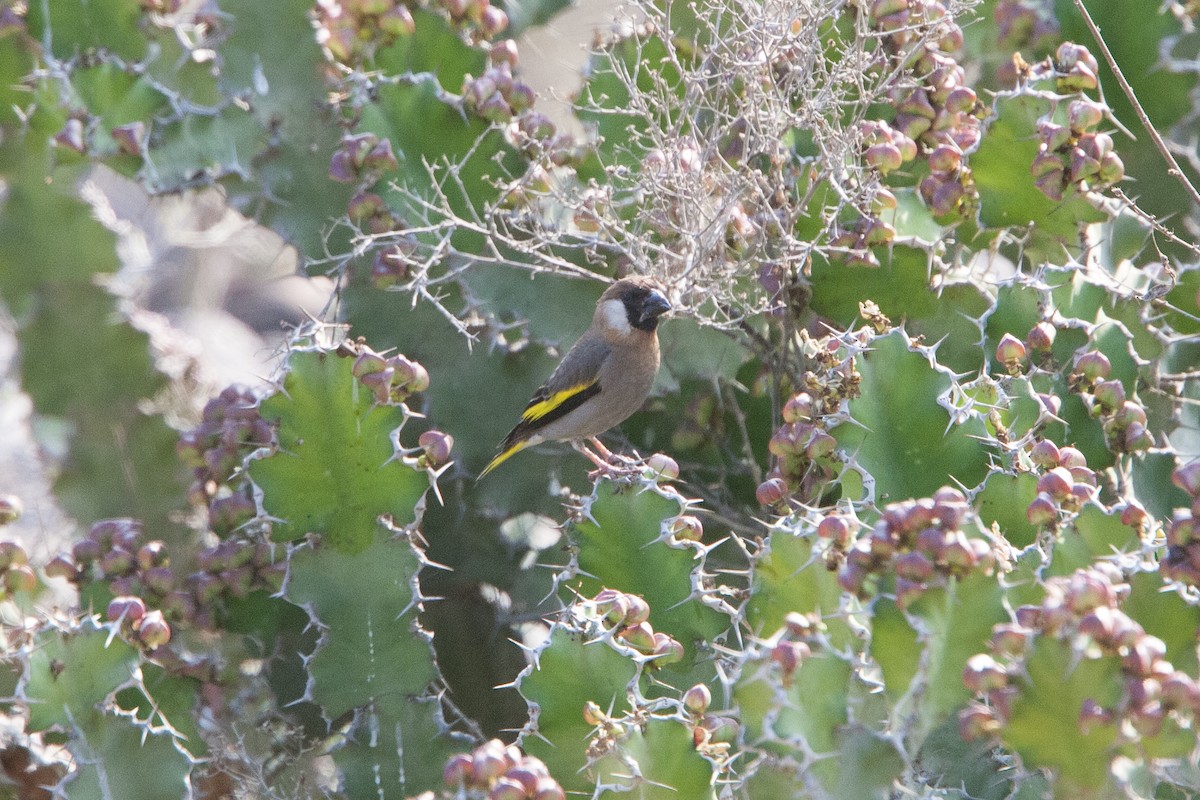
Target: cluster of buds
{"points": [[1124, 420], [495, 771], [1182, 559], [230, 569], [230, 427], [1074, 155], [1073, 68], [352, 29], [940, 113], [1083, 610], [227, 513], [496, 95], [15, 573], [1025, 23], [147, 628], [1012, 353], [942, 110], [987, 677], [371, 213], [536, 134], [113, 552], [1066, 484], [923, 543], [393, 262], [858, 237], [391, 380], [626, 618], [479, 18], [885, 149], [908, 22], [712, 734], [948, 188], [361, 157], [805, 457], [793, 643], [804, 452]]}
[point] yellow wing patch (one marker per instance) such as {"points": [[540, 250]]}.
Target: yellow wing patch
{"points": [[543, 407]]}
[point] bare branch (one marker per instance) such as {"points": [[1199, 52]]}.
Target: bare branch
{"points": [[1174, 169]]}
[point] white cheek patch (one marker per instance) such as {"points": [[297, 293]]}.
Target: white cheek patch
{"points": [[615, 317]]}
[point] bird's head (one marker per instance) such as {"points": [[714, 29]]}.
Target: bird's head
{"points": [[632, 304]]}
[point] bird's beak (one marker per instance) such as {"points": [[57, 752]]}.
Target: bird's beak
{"points": [[655, 305]]}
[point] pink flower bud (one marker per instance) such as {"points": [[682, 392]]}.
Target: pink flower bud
{"points": [[154, 631], [771, 491]]}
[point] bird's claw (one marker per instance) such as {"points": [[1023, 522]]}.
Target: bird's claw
{"points": [[609, 464]]}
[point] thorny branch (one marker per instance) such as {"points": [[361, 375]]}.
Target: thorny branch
{"points": [[703, 185], [1175, 171]]}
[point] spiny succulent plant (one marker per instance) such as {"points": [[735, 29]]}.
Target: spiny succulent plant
{"points": [[911, 511]]}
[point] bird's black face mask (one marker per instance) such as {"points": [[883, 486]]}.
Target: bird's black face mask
{"points": [[644, 307]]}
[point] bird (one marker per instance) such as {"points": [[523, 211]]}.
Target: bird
{"points": [[602, 380]]}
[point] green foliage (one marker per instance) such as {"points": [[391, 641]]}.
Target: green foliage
{"points": [[67, 29], [586, 685], [373, 664], [570, 672], [667, 764], [336, 471], [900, 432], [625, 542], [923, 522], [1008, 197], [1044, 723], [73, 677], [52, 250], [789, 577]]}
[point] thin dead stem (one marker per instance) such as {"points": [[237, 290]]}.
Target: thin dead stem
{"points": [[1174, 169], [723, 152]]}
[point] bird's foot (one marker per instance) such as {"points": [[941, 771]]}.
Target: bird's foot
{"points": [[608, 464]]}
